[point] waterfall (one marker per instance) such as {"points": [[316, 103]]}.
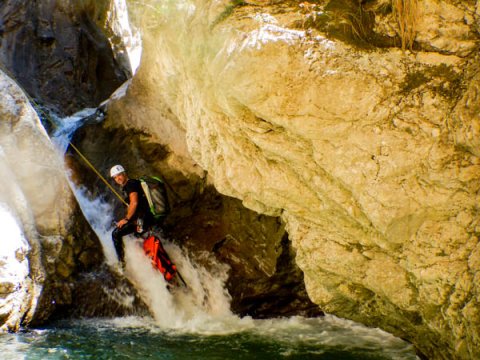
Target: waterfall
{"points": [[66, 127], [203, 309], [188, 317], [204, 300], [206, 297]]}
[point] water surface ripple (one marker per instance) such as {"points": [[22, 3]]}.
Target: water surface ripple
{"points": [[326, 338]]}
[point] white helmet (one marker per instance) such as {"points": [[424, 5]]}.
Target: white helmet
{"points": [[115, 170]]}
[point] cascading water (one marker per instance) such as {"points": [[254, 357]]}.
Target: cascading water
{"points": [[206, 296], [193, 323]]}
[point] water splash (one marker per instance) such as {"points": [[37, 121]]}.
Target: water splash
{"points": [[204, 301], [99, 215], [206, 296], [203, 309], [294, 338]]}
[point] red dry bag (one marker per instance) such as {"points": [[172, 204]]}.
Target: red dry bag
{"points": [[154, 249]]}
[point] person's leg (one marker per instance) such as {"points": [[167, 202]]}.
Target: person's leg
{"points": [[117, 237]]}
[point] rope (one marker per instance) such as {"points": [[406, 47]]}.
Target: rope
{"points": [[98, 174], [47, 116]]}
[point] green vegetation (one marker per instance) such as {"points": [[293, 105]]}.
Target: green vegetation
{"points": [[228, 11], [442, 79], [353, 21]]}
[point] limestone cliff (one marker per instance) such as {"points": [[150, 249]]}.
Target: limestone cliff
{"points": [[45, 242], [51, 262], [369, 152]]}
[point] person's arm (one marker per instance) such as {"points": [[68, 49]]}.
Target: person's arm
{"points": [[132, 208]]}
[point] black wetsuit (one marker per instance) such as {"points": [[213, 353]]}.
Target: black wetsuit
{"points": [[142, 212]]}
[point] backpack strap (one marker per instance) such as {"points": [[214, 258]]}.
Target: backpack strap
{"points": [[146, 190]]}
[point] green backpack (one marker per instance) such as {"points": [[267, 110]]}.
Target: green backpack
{"points": [[156, 194]]}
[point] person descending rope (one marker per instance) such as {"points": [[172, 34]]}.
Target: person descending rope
{"points": [[147, 206], [138, 217]]}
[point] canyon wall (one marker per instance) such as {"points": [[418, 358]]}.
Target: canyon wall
{"points": [[46, 241], [354, 122], [72, 54], [66, 54], [357, 124]]}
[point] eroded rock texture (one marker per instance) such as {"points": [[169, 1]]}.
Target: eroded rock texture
{"points": [[46, 241], [57, 51], [264, 280], [369, 153], [50, 259]]}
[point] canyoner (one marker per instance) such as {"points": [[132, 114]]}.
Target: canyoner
{"points": [[147, 205], [156, 194], [144, 217]]}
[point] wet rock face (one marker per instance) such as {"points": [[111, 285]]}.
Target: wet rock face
{"points": [[100, 293], [57, 52], [264, 280], [48, 243], [260, 295], [313, 112]]}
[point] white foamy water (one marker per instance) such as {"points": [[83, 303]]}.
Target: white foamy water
{"points": [[204, 300], [325, 338], [67, 126], [99, 215], [329, 336], [204, 309]]}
